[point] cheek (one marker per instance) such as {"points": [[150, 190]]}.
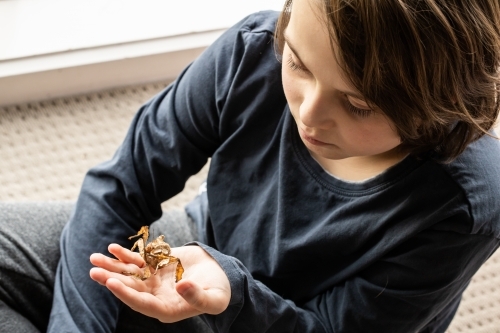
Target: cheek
{"points": [[290, 87], [392, 135], [382, 137]]}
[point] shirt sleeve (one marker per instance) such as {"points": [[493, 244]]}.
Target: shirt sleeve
{"points": [[171, 138], [401, 292]]}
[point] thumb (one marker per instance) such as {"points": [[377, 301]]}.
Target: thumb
{"points": [[205, 301]]}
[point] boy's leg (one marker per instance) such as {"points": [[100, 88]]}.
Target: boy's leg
{"points": [[29, 252]]}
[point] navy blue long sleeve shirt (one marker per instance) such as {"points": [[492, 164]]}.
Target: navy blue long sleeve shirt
{"points": [[303, 250]]}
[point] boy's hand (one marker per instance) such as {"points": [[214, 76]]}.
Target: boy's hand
{"points": [[204, 287]]}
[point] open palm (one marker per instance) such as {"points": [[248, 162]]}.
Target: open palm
{"points": [[204, 287]]}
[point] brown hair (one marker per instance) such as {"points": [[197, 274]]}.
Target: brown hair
{"points": [[432, 66]]}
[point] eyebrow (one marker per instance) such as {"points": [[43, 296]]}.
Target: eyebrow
{"points": [[290, 45]]}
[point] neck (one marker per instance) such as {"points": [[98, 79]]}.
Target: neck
{"points": [[360, 168]]}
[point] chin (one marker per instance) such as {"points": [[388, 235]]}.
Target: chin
{"points": [[327, 153]]}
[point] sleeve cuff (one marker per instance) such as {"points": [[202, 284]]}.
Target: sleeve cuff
{"points": [[236, 274]]}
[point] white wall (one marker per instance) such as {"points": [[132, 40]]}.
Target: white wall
{"points": [[51, 48]]}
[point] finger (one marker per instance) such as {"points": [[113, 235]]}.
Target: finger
{"points": [[137, 301], [149, 304], [101, 276], [126, 255], [114, 265], [97, 277], [212, 301]]}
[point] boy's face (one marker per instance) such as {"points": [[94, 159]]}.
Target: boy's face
{"points": [[334, 121]]}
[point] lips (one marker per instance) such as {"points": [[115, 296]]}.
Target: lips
{"points": [[311, 139]]}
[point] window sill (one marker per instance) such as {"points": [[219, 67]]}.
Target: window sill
{"points": [[97, 44]]}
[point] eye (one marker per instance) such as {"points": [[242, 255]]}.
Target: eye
{"points": [[362, 113], [294, 66]]}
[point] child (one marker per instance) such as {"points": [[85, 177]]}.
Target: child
{"points": [[353, 185]]}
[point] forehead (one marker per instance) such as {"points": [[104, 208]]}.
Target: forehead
{"points": [[307, 35], [308, 18]]}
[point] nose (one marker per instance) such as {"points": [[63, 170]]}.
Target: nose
{"points": [[316, 109]]}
